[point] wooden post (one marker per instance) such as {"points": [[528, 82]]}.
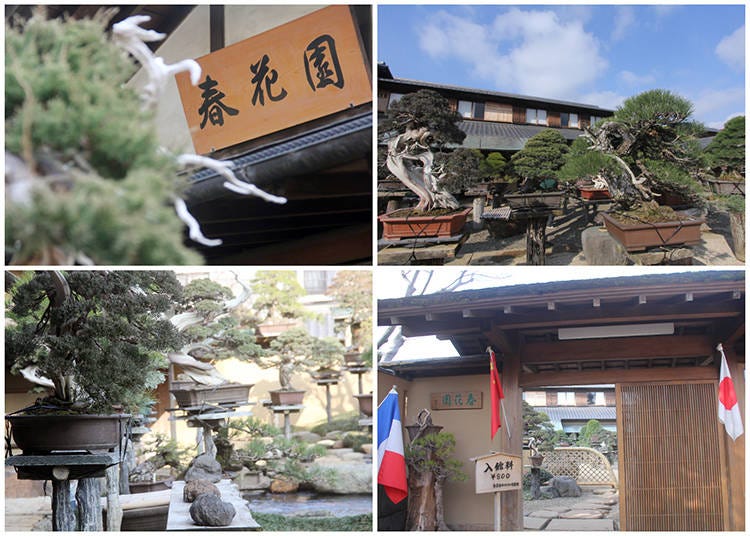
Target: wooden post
{"points": [[535, 491], [536, 234], [287, 425], [63, 516], [89, 509], [114, 509], [512, 501], [328, 403]]}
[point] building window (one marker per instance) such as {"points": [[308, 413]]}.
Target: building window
{"points": [[568, 120], [535, 398], [595, 119], [498, 112], [315, 281], [394, 98], [536, 117], [566, 398], [478, 110], [595, 399], [464, 108]]}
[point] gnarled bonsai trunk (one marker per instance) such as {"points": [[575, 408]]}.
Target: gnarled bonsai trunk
{"points": [[422, 512]]}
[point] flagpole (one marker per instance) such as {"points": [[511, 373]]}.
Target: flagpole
{"points": [[502, 406]]}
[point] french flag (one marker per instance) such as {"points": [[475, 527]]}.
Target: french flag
{"points": [[391, 462]]}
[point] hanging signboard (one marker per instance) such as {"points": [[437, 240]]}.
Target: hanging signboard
{"points": [[497, 472], [305, 69], [456, 400]]}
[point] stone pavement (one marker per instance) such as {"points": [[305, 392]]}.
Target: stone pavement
{"points": [[28, 514], [595, 510]]}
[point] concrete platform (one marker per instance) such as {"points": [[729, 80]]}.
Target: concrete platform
{"points": [[534, 523]]}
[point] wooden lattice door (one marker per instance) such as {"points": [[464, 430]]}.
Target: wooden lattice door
{"points": [[670, 461]]}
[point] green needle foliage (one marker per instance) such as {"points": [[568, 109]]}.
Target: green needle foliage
{"points": [[726, 152], [104, 345], [541, 158], [101, 188], [424, 108]]}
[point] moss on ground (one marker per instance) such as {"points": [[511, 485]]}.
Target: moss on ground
{"points": [[277, 522]]}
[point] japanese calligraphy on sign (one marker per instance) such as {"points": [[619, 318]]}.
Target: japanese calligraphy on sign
{"points": [[497, 472], [305, 69], [456, 400]]}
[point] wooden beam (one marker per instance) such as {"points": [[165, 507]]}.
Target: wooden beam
{"points": [[535, 353], [216, 27], [586, 377], [477, 313]]}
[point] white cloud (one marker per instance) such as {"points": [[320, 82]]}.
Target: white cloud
{"points": [[530, 52], [632, 79], [624, 19], [712, 107], [604, 99], [720, 124], [731, 49]]}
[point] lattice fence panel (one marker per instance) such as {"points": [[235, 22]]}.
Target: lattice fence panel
{"points": [[588, 466]]}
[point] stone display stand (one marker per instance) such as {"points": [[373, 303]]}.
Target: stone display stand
{"points": [[287, 412], [536, 233], [328, 383], [86, 469], [179, 510], [359, 370], [207, 418]]}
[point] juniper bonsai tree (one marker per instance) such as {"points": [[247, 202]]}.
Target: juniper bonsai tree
{"points": [[97, 338], [412, 127], [460, 169]]}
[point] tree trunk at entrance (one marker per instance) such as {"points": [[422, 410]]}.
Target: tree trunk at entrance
{"points": [[422, 514], [536, 234], [439, 508]]}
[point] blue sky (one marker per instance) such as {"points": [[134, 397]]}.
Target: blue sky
{"points": [[592, 54]]}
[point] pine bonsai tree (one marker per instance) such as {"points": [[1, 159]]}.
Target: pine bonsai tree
{"points": [[98, 337], [726, 152], [461, 169], [540, 160], [493, 166], [352, 289], [276, 296]]}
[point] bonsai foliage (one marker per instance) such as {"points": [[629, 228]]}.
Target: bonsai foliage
{"points": [[726, 152], [160, 452], [649, 136], [215, 333], [594, 435], [493, 167], [581, 163], [412, 126], [433, 453], [460, 169], [296, 350], [276, 296], [352, 289], [87, 182], [98, 336], [537, 425], [540, 160]]}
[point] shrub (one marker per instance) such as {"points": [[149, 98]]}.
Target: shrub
{"points": [[727, 150], [541, 158]]}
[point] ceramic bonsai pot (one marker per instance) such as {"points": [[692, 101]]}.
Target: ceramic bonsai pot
{"points": [[593, 194], [397, 226], [365, 404], [639, 236], [40, 434], [726, 187], [535, 200], [325, 374], [279, 397], [353, 358], [190, 394], [146, 487]]}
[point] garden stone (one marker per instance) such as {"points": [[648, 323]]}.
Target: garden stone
{"points": [[327, 443], [335, 434], [343, 478], [544, 514], [252, 480], [198, 487], [534, 523], [282, 485], [367, 449], [582, 514], [210, 511], [307, 437], [599, 248], [339, 444], [203, 467], [549, 492], [566, 486], [353, 457]]}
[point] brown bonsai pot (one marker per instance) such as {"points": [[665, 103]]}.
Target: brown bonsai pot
{"points": [[397, 226], [145, 487], [593, 194], [365, 403], [535, 200], [722, 187], [40, 434], [323, 374], [353, 358], [280, 397], [190, 394], [639, 236]]}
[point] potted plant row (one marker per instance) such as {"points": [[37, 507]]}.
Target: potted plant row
{"points": [[76, 331]]}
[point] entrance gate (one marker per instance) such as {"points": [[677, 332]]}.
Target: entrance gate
{"points": [[670, 458]]}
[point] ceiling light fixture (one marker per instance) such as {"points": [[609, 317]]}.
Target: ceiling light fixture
{"points": [[621, 330]]}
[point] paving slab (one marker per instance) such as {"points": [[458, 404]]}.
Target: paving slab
{"points": [[572, 525], [582, 514], [534, 523]]}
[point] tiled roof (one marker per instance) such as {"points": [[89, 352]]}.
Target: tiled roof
{"points": [[505, 136], [558, 414]]}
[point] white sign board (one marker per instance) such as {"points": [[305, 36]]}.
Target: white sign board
{"points": [[498, 472]]}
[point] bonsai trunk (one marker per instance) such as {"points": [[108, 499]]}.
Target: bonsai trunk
{"points": [[536, 234], [286, 369], [144, 471], [439, 509], [422, 512]]}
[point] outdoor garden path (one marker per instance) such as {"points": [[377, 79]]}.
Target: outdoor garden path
{"points": [[596, 510]]}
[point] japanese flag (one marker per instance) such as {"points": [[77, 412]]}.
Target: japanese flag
{"points": [[729, 409]]}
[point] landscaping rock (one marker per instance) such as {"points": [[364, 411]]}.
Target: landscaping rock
{"points": [[534, 523], [282, 485], [339, 444], [544, 514], [203, 467], [549, 492], [198, 487], [327, 443], [210, 511], [581, 514], [248, 480], [566, 486], [367, 449], [307, 437], [600, 248], [341, 477], [335, 434]]}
